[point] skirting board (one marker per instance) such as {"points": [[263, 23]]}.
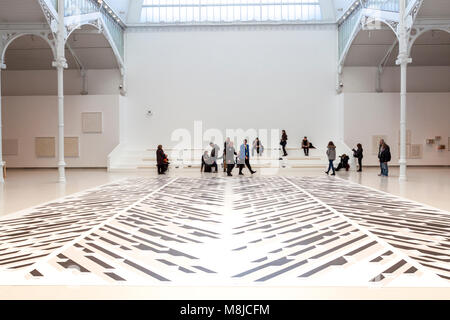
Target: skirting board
{"points": [[36, 168]]}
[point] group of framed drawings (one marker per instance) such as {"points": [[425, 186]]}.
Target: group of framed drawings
{"points": [[45, 147], [413, 151]]}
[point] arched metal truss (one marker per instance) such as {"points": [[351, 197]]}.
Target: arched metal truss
{"points": [[366, 20], [421, 30], [6, 38]]}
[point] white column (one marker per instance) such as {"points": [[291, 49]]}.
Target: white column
{"points": [[2, 66], [403, 61], [60, 64]]}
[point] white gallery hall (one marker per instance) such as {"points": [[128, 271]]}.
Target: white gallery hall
{"points": [[225, 149]]}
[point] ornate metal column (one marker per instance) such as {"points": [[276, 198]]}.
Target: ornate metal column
{"points": [[2, 66], [60, 64], [403, 60]]}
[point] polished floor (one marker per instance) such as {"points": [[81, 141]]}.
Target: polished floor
{"points": [[297, 229], [29, 187]]}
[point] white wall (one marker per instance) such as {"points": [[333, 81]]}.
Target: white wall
{"points": [[419, 79], [44, 82], [428, 115], [27, 117], [231, 77]]}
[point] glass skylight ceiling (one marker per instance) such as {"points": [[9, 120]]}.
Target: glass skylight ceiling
{"points": [[216, 11]]}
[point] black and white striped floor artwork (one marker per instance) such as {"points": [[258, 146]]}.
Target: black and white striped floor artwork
{"points": [[258, 231]]}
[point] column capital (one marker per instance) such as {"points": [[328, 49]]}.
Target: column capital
{"points": [[60, 63], [403, 59]]}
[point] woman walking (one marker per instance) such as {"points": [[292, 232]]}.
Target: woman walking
{"points": [[331, 153], [358, 154]]}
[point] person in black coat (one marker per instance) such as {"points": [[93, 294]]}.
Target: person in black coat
{"points": [[225, 145], [384, 155], [343, 163], [283, 142], [358, 154], [161, 160], [305, 146]]}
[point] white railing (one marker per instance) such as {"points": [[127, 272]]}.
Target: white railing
{"points": [[347, 28], [110, 20], [115, 30], [384, 5], [55, 4], [79, 7]]}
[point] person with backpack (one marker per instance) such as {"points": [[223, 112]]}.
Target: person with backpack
{"points": [[384, 155]]}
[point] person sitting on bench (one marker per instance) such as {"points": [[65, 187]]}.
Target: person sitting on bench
{"points": [[161, 160], [343, 163], [206, 163], [305, 146]]}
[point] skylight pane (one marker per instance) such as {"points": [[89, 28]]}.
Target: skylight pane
{"points": [[226, 11]]}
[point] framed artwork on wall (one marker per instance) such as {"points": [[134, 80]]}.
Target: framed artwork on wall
{"points": [[71, 147], [44, 147], [10, 147], [91, 122], [408, 151], [416, 151]]}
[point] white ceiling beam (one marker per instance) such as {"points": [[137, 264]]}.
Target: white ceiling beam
{"points": [[327, 10], [431, 22], [24, 27], [134, 11]]}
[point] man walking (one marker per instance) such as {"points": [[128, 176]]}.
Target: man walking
{"points": [[244, 157]]}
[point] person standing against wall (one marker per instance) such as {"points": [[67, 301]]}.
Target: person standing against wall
{"points": [[225, 145], [358, 154], [384, 155], [229, 155], [331, 153], [283, 142], [214, 155], [257, 145], [244, 157], [305, 146]]}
